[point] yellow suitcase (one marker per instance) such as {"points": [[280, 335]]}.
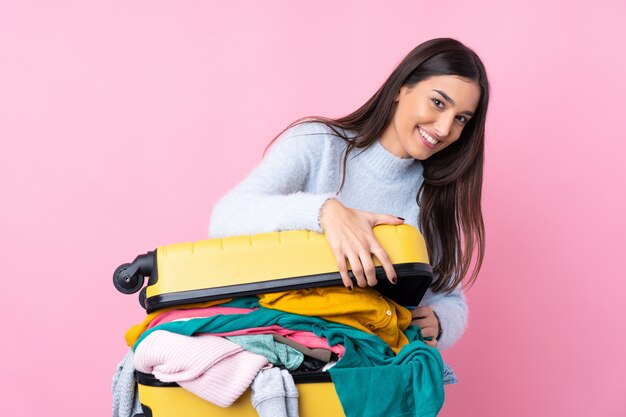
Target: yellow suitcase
{"points": [[212, 269]]}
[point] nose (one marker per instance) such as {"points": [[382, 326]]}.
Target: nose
{"points": [[443, 124]]}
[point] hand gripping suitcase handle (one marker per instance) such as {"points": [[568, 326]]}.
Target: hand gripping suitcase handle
{"points": [[129, 278]]}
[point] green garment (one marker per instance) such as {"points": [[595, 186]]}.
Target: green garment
{"points": [[369, 379], [243, 302], [275, 352]]}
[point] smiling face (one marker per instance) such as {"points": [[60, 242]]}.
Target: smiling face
{"points": [[430, 116]]}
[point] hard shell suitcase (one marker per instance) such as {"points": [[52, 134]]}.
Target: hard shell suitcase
{"points": [[212, 269]]}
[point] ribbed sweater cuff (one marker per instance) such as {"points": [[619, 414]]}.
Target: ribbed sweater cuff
{"points": [[306, 214], [452, 327]]}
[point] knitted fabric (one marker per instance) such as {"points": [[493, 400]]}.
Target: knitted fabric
{"points": [[274, 394], [124, 389], [213, 368]]}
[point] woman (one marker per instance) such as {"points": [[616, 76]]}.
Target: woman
{"points": [[413, 151]]}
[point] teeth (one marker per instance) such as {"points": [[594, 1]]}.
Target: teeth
{"points": [[427, 137]]}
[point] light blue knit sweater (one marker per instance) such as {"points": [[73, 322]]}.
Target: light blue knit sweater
{"points": [[302, 170]]}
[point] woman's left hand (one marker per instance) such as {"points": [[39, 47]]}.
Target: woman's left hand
{"points": [[424, 318]]}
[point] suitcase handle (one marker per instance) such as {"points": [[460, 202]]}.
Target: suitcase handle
{"points": [[129, 278]]}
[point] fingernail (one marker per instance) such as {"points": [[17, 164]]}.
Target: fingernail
{"points": [[400, 218], [394, 280], [350, 287]]}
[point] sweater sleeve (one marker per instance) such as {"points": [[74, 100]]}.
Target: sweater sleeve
{"points": [[270, 198], [453, 313]]}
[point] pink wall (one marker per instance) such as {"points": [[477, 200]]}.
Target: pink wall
{"points": [[121, 123]]}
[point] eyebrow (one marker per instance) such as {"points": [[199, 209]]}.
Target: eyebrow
{"points": [[449, 100]]}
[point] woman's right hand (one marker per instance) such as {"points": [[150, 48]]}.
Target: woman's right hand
{"points": [[350, 236]]}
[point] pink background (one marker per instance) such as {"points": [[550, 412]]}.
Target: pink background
{"points": [[121, 123]]}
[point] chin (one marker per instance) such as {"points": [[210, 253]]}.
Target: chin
{"points": [[422, 154]]}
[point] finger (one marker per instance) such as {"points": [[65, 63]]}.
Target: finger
{"points": [[387, 219], [431, 343], [384, 260], [418, 322], [425, 323], [343, 271], [422, 312], [357, 270], [368, 268], [428, 332]]}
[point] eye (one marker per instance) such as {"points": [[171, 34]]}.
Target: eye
{"points": [[462, 119], [438, 103]]}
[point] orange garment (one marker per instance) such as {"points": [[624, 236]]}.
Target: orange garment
{"points": [[362, 308], [134, 332]]}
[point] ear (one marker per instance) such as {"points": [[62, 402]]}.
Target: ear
{"points": [[400, 93]]}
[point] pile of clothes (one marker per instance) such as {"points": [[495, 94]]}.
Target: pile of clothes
{"points": [[377, 361]]}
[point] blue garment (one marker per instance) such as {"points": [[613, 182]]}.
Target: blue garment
{"points": [[449, 377], [413, 379]]}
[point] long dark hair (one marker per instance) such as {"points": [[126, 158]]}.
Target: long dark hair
{"points": [[450, 197]]}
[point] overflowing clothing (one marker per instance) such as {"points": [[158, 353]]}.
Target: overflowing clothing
{"points": [[366, 358], [210, 350], [360, 308]]}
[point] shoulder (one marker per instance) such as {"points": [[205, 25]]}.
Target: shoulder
{"points": [[315, 128], [310, 135]]}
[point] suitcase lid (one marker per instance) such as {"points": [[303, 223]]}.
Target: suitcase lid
{"points": [[211, 269]]}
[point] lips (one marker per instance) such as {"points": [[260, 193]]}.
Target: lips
{"points": [[425, 140]]}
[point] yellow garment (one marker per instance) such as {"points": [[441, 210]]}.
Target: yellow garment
{"points": [[362, 308], [134, 332]]}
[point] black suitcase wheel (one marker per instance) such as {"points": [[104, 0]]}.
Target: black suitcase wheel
{"points": [[126, 283]]}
